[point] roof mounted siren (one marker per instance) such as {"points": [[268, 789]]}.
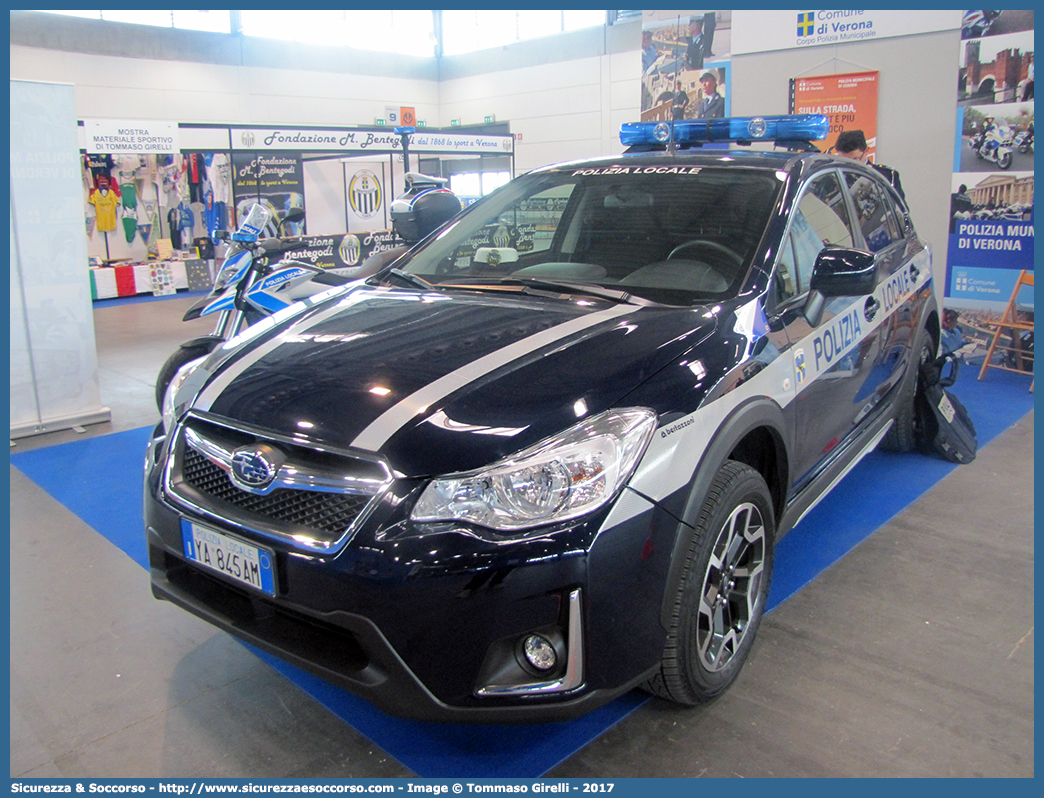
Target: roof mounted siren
{"points": [[794, 131]]}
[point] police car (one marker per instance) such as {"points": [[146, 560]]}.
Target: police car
{"points": [[544, 458]]}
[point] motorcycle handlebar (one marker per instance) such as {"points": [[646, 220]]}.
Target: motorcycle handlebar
{"points": [[274, 246]]}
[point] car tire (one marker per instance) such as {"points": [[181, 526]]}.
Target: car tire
{"points": [[902, 435], [730, 546], [186, 353]]}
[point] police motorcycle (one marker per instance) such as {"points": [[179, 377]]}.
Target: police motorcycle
{"points": [[1023, 140], [977, 23], [248, 288], [426, 206], [995, 145]]}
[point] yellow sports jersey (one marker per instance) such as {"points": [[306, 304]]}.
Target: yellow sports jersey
{"points": [[105, 203]]}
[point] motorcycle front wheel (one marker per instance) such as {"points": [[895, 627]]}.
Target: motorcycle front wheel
{"points": [[1004, 161], [186, 353]]}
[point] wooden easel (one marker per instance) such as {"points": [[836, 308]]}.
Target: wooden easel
{"points": [[1010, 325]]}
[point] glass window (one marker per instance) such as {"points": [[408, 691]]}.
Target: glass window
{"points": [[786, 272], [213, 21], [874, 210], [466, 184], [465, 31], [84, 14], [582, 18], [477, 184], [820, 220], [491, 181], [823, 208], [159, 18], [673, 238], [409, 32], [807, 245]]}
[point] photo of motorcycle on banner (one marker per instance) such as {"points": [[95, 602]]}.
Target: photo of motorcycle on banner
{"points": [[995, 137]]}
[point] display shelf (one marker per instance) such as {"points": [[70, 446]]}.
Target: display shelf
{"points": [[108, 282]]}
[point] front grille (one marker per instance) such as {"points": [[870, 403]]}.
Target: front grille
{"points": [[331, 513], [312, 503]]}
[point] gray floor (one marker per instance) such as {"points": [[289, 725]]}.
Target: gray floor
{"points": [[912, 656]]}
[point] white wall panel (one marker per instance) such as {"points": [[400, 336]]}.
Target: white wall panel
{"points": [[54, 367], [324, 196]]}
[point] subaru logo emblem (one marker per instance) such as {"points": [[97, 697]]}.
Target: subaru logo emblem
{"points": [[255, 467]]}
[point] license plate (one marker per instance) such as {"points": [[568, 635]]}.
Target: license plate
{"points": [[231, 557]]}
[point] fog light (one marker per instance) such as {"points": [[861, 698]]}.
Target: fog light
{"points": [[539, 652]]}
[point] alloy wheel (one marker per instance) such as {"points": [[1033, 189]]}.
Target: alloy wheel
{"points": [[731, 587]]}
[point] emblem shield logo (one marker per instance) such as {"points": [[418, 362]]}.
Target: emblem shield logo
{"points": [[254, 468]]}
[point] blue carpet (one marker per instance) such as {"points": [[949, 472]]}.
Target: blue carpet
{"points": [[876, 490]]}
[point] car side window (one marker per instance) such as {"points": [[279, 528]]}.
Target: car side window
{"points": [[824, 208], [786, 272], [807, 243], [877, 217], [820, 220]]}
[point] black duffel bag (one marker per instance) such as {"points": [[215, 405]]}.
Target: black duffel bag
{"points": [[943, 424]]}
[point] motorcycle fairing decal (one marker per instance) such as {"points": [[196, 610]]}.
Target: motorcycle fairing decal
{"points": [[676, 449], [223, 302], [396, 417], [234, 263], [279, 277], [260, 297]]}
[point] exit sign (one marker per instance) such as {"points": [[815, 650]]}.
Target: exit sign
{"points": [[380, 122], [454, 123], [421, 123], [490, 119]]}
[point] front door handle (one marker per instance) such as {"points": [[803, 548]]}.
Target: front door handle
{"points": [[870, 308]]}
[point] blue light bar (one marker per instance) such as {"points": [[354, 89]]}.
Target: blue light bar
{"points": [[796, 127]]}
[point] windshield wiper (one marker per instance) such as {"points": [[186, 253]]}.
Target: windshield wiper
{"points": [[412, 280], [556, 286]]}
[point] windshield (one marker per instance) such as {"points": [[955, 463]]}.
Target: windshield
{"points": [[675, 238]]}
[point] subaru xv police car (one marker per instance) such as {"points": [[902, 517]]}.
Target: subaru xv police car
{"points": [[544, 457]]}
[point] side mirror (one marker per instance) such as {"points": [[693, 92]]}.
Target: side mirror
{"points": [[839, 272], [293, 215]]}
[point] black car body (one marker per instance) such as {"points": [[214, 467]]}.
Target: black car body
{"points": [[544, 459]]}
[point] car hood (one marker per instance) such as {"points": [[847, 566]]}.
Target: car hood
{"points": [[444, 381]]}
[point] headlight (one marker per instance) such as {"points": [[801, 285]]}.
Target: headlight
{"points": [[171, 399], [563, 477]]}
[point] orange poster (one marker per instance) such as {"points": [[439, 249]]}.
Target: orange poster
{"points": [[848, 101]]}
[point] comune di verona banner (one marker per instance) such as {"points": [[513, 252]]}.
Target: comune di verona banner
{"points": [[991, 196]]}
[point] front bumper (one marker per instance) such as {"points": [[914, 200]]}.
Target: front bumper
{"points": [[428, 626]]}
